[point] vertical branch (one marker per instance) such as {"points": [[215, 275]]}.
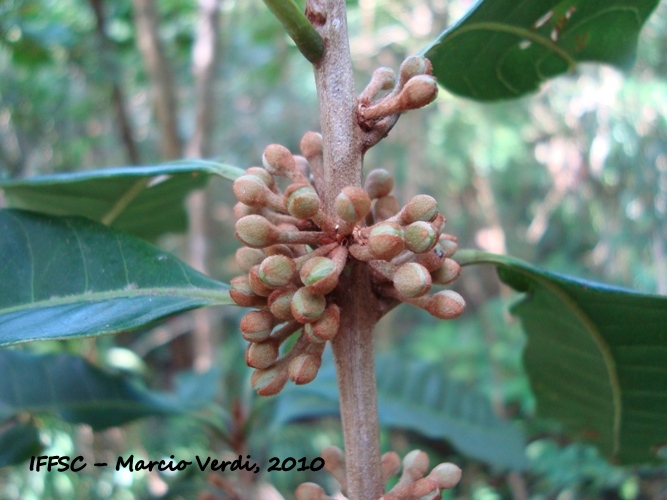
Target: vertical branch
{"points": [[204, 58], [353, 346], [164, 95], [117, 95]]}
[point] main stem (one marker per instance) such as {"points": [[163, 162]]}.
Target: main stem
{"points": [[353, 346]]}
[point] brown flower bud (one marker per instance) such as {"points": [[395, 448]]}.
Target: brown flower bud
{"points": [[415, 464], [413, 66], [280, 303], [311, 145], [449, 244], [385, 208], [251, 190], [418, 92], [262, 354], [352, 204], [242, 293], [303, 368], [241, 210], [278, 250], [391, 464], [262, 173], [379, 183], [256, 326], [421, 207], [446, 304], [256, 283], [447, 273], [277, 270], [302, 166], [257, 232], [302, 201], [386, 240], [412, 280], [310, 491], [246, 258], [306, 306], [447, 475], [277, 160], [382, 79], [420, 237], [268, 382], [326, 327], [432, 259]]}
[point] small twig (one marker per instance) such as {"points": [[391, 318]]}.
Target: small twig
{"points": [[295, 22]]}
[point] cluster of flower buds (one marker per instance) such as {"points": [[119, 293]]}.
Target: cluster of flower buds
{"points": [[413, 484], [294, 254], [414, 88]]}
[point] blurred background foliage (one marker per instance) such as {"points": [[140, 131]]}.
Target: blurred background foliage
{"points": [[572, 179]]}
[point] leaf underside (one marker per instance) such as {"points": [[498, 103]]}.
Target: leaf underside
{"points": [[65, 277], [506, 48], [596, 357], [144, 201], [77, 391], [419, 397]]}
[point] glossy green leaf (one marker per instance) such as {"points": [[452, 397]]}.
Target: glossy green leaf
{"points": [[596, 357], [503, 48], [144, 201], [18, 443], [420, 397], [77, 391], [64, 277]]}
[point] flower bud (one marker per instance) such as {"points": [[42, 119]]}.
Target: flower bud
{"points": [[277, 160], [413, 66], [251, 190], [278, 250], [256, 326], [306, 306], [326, 327], [316, 269], [243, 295], [265, 176], [352, 204], [446, 304], [277, 270], [449, 244], [310, 491], [447, 273], [385, 208], [415, 464], [262, 354], [391, 464], [412, 280], [432, 259], [256, 283], [302, 165], [255, 231], [418, 92], [311, 145], [303, 368], [420, 237], [302, 201], [421, 207], [246, 258], [241, 210], [379, 183], [268, 382], [386, 240], [447, 475], [382, 79], [280, 303]]}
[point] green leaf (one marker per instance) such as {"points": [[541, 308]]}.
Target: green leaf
{"points": [[419, 397], [64, 277], [77, 391], [504, 48], [144, 201], [18, 443], [596, 357]]}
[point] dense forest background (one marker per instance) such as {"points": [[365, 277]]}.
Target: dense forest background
{"points": [[573, 179]]}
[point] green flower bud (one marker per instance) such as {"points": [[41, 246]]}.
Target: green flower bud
{"points": [[412, 280], [262, 354], [246, 258], [326, 327], [256, 283], [256, 326], [379, 183], [421, 207], [446, 475], [280, 303], [243, 295], [306, 306], [251, 190], [352, 204], [277, 270], [268, 382], [446, 304], [303, 368], [302, 201], [316, 269], [420, 237], [447, 273], [255, 231], [386, 240]]}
